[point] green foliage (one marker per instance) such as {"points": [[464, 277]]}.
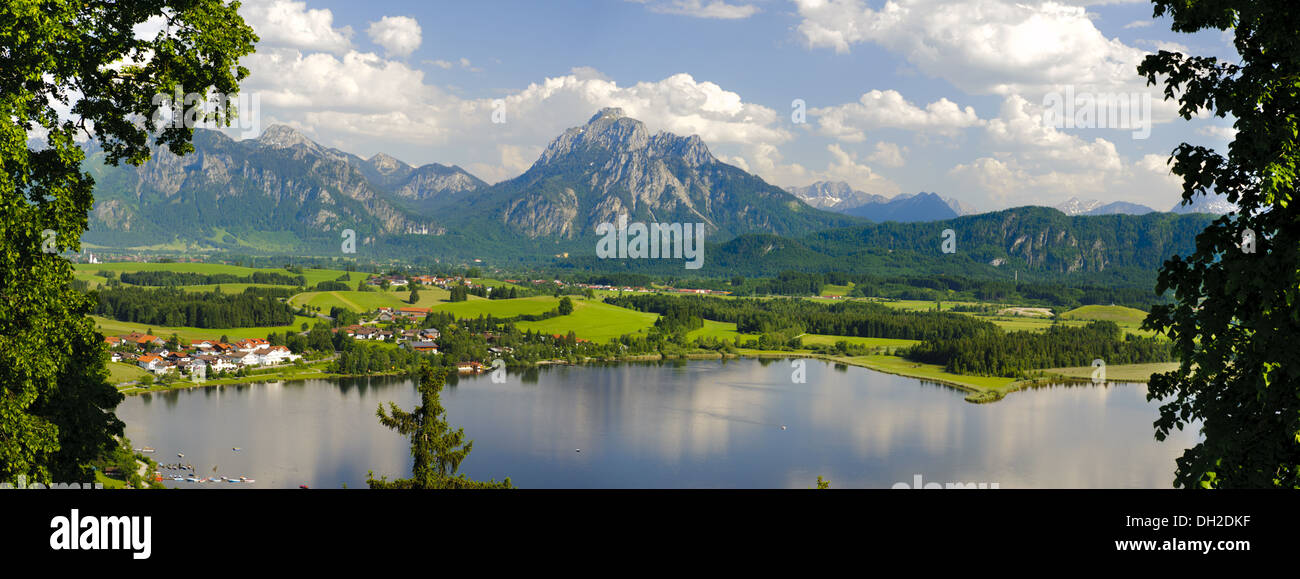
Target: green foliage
{"points": [[56, 411], [174, 307], [1236, 321], [1012, 354], [566, 306], [436, 448], [177, 278]]}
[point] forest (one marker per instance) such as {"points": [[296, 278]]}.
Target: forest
{"points": [[1011, 354], [253, 307], [179, 278]]}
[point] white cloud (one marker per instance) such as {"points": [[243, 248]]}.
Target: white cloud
{"points": [[1138, 24], [285, 23], [1220, 132], [982, 46], [888, 109], [888, 155], [717, 9], [766, 161], [398, 35], [1020, 129]]}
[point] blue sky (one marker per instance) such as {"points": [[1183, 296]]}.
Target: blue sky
{"points": [[901, 96]]}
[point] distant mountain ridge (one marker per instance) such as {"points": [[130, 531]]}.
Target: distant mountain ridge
{"points": [[283, 192], [907, 207], [1077, 206]]}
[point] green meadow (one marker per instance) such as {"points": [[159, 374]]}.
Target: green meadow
{"points": [[109, 327], [595, 321]]}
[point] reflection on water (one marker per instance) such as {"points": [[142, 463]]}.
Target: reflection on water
{"points": [[672, 424]]}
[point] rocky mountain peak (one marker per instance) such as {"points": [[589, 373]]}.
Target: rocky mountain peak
{"points": [[612, 131], [283, 137], [386, 164]]}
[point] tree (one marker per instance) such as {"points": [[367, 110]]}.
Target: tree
{"points": [[437, 450], [566, 306], [81, 57], [1236, 318], [415, 295]]}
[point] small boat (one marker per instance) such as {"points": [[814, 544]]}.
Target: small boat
{"points": [[246, 479], [303, 487], [236, 449], [177, 478], [782, 427], [577, 450], [180, 454], [147, 449], [192, 479]]}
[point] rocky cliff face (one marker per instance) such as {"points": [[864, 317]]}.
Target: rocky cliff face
{"points": [[613, 166], [281, 181]]}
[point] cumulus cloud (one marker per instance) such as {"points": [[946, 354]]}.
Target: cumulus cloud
{"points": [[285, 23], [981, 46], [888, 109], [398, 35], [888, 155], [766, 161]]}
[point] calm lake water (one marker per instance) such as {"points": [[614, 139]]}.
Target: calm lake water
{"points": [[671, 425]]}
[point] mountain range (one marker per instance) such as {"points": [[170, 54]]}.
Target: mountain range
{"points": [[906, 207], [284, 193]]}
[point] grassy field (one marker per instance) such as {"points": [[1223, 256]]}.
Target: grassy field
{"points": [[119, 372], [359, 301], [836, 290], [113, 328], [827, 340], [499, 308], [1118, 314], [721, 330], [595, 321], [313, 276], [1120, 373]]}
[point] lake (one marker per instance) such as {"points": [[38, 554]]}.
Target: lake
{"points": [[696, 424]]}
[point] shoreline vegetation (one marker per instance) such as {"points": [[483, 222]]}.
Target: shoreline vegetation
{"points": [[978, 389]]}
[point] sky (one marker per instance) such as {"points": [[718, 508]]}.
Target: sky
{"points": [[971, 99]]}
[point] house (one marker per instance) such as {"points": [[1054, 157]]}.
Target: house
{"points": [[430, 334], [216, 363], [142, 340], [415, 313], [151, 362], [501, 350], [274, 355], [469, 367], [241, 358], [202, 344], [429, 347], [250, 344], [113, 341]]}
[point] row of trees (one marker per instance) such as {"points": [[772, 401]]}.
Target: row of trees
{"points": [[1013, 354], [753, 316], [178, 278], [173, 307]]}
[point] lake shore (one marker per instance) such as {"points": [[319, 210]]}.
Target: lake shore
{"points": [[978, 389]]}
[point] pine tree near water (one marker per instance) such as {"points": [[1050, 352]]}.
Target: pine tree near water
{"points": [[436, 448]]}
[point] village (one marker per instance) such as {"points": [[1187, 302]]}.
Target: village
{"points": [[197, 360]]}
